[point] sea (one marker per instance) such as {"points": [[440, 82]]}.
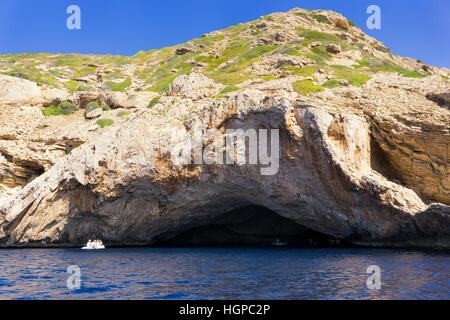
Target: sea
{"points": [[224, 273]]}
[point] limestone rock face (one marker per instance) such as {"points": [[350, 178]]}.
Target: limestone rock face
{"points": [[17, 92], [125, 187]]}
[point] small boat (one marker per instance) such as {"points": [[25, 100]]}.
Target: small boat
{"points": [[93, 246], [278, 243]]}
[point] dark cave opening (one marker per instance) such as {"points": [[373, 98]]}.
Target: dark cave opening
{"points": [[250, 226]]}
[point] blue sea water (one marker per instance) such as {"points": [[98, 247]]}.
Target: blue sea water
{"points": [[204, 273]]}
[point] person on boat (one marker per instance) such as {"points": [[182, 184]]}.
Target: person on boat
{"points": [[89, 244]]}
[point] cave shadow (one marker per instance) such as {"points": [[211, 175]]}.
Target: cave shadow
{"points": [[250, 226]]}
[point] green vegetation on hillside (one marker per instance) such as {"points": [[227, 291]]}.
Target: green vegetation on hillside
{"points": [[387, 66], [74, 86], [230, 57], [122, 113], [331, 84], [383, 49], [64, 108], [118, 86], [321, 18], [92, 105], [226, 90], [305, 87], [154, 102], [313, 35], [318, 54], [102, 123], [353, 76]]}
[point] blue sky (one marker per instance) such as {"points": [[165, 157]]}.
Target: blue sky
{"points": [[414, 28]]}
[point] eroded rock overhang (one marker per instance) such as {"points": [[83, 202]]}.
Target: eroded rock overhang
{"points": [[125, 188]]}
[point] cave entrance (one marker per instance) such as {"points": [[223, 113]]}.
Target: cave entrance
{"points": [[250, 226]]}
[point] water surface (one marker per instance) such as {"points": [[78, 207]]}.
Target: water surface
{"points": [[178, 273]]}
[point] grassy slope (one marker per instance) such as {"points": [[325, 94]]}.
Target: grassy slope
{"points": [[224, 56]]}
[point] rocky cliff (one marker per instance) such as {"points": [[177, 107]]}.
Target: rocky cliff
{"points": [[363, 140]]}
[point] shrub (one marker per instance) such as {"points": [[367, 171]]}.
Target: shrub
{"points": [[413, 74], [122, 113], [228, 89], [51, 111], [16, 74], [67, 106], [105, 122], [234, 72], [351, 23], [73, 85], [163, 84], [113, 75], [72, 60], [209, 40], [268, 77], [312, 35], [161, 77], [321, 18], [154, 101], [383, 49], [84, 71], [268, 18], [304, 87], [355, 78], [51, 81], [306, 71], [331, 84], [257, 51], [229, 78], [92, 106], [387, 66], [236, 29], [95, 105], [120, 86], [234, 49], [319, 54], [303, 15], [64, 108]]}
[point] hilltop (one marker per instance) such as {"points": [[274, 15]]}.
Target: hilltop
{"points": [[319, 45]]}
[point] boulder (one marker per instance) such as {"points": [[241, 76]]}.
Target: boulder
{"points": [[182, 51], [333, 48], [93, 113], [194, 86], [338, 20], [117, 100], [17, 91]]}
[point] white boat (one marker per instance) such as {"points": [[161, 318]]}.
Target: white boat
{"points": [[93, 248]]}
